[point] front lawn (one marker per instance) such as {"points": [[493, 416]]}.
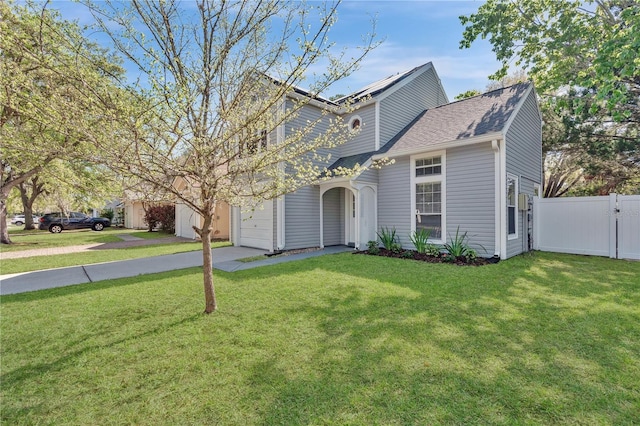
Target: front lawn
{"points": [[340, 339]]}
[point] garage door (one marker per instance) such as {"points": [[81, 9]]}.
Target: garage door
{"points": [[256, 227], [185, 219]]}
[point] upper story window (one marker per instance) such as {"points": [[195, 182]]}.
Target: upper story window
{"points": [[256, 144], [429, 166], [355, 123]]}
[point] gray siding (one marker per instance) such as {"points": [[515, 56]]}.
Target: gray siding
{"points": [[524, 159], [302, 218], [333, 217], [368, 176], [401, 107], [365, 140], [470, 198], [394, 199], [309, 113]]}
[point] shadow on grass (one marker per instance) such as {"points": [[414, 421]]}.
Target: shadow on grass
{"points": [[366, 340], [551, 342]]}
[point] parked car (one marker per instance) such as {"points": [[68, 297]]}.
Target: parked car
{"points": [[20, 218], [57, 222]]}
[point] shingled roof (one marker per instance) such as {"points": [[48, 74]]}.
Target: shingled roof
{"points": [[467, 118], [476, 116]]}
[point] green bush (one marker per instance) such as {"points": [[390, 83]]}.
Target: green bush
{"points": [[372, 247], [420, 240], [433, 250], [387, 237], [458, 247]]}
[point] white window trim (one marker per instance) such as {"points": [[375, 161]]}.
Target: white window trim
{"points": [[516, 212], [351, 120], [430, 178]]}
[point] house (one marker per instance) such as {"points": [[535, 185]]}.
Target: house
{"points": [[471, 165], [187, 218]]}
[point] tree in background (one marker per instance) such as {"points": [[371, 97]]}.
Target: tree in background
{"points": [[217, 75], [584, 58], [57, 93], [468, 94]]}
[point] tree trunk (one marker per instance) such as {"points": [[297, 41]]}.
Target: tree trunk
{"points": [[4, 232], [37, 188], [207, 266]]}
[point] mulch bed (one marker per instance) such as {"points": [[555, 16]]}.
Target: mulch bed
{"points": [[423, 257]]}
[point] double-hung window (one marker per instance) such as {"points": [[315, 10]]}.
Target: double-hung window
{"points": [[428, 194], [512, 207]]}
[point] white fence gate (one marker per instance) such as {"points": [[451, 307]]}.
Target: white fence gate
{"points": [[601, 226]]}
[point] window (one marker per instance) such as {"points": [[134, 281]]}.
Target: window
{"points": [[355, 123], [428, 195], [429, 208], [254, 145], [512, 209], [428, 166]]}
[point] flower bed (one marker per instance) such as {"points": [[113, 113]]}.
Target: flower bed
{"points": [[424, 257]]}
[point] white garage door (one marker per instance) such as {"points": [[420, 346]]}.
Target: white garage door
{"points": [[256, 227], [185, 219]]}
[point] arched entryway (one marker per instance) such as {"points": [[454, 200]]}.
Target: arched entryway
{"points": [[348, 214]]}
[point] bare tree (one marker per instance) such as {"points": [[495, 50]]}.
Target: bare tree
{"points": [[219, 84]]}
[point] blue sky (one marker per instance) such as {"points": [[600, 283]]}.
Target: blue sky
{"points": [[414, 32]]}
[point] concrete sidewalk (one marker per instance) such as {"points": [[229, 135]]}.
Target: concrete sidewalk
{"points": [[224, 258]]}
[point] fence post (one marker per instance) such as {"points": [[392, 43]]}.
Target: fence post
{"points": [[613, 231]]}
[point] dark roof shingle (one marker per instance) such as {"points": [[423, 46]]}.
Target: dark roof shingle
{"points": [[467, 118]]}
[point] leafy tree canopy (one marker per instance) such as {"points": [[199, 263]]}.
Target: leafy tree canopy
{"points": [[584, 57]]}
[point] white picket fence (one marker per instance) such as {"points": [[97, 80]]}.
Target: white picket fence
{"points": [[600, 226]]}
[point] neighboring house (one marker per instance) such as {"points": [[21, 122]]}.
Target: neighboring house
{"points": [[187, 218], [460, 165], [133, 205]]}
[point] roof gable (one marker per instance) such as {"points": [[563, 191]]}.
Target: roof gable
{"points": [[468, 118], [383, 85]]}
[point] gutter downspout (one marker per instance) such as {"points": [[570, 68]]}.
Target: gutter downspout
{"points": [[495, 145]]}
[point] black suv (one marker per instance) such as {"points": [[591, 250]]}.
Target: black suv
{"points": [[56, 222]]}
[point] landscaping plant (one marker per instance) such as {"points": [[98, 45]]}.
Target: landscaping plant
{"points": [[387, 237], [420, 240]]}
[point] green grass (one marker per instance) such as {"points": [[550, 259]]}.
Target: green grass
{"points": [[36, 263], [36, 239], [341, 339]]}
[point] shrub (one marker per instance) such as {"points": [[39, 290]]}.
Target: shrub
{"points": [[407, 254], [387, 237], [396, 248], [108, 213], [433, 250], [458, 247], [372, 247], [163, 216], [420, 240]]}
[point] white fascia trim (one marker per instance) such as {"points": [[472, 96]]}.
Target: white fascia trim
{"points": [[441, 146], [442, 178], [495, 145], [516, 110]]}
